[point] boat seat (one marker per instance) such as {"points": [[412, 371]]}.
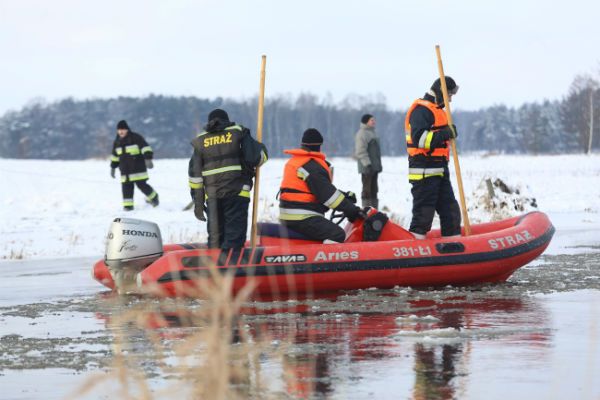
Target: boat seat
{"points": [[279, 231]]}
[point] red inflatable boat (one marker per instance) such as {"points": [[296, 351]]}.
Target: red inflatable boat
{"points": [[377, 253]]}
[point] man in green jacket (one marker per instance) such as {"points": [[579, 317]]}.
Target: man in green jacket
{"points": [[368, 154]]}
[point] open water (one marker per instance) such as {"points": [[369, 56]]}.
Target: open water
{"points": [[535, 337]]}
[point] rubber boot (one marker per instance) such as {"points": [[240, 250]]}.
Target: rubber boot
{"points": [[154, 200], [128, 208], [418, 236]]}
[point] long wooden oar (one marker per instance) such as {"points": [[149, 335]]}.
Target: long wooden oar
{"points": [[461, 192], [259, 127]]}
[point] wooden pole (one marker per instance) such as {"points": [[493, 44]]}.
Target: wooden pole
{"points": [[259, 127], [461, 192]]}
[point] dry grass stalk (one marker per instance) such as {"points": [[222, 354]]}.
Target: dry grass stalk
{"points": [[215, 358]]}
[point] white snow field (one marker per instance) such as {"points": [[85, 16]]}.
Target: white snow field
{"points": [[55, 209]]}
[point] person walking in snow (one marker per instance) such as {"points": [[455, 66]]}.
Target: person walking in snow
{"points": [[368, 154], [132, 154], [220, 171], [427, 136]]}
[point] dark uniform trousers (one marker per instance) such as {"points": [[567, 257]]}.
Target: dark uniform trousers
{"points": [[227, 220], [127, 188], [317, 228], [430, 195], [370, 189]]}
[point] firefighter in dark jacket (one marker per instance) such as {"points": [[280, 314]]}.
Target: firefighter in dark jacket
{"points": [[427, 136], [220, 173], [307, 193], [132, 154]]}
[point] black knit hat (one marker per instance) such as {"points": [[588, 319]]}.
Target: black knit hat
{"points": [[365, 118], [312, 139], [122, 125], [218, 113], [450, 85]]}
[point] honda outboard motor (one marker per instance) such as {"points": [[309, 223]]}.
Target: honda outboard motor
{"points": [[131, 245]]}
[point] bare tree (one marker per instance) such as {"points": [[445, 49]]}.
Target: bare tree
{"points": [[578, 113]]}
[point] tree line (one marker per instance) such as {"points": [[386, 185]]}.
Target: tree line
{"points": [[81, 129]]}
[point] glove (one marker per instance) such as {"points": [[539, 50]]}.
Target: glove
{"points": [[199, 210], [368, 170], [149, 164], [351, 196], [354, 213], [447, 132], [112, 173], [441, 137], [455, 131], [198, 197]]}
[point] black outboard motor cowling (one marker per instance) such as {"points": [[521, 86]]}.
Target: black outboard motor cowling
{"points": [[373, 226]]}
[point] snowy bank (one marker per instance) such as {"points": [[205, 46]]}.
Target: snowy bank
{"points": [[52, 209]]}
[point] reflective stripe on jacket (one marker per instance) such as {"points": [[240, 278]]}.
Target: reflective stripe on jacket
{"points": [[140, 176]]}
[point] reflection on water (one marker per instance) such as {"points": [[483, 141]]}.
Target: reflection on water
{"points": [[438, 331], [332, 342]]}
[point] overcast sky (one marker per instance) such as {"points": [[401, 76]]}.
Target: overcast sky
{"points": [[509, 51]]}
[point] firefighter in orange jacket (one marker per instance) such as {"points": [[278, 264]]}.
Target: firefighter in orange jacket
{"points": [[427, 136], [307, 193]]}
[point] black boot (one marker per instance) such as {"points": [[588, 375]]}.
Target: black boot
{"points": [[154, 201], [128, 208]]}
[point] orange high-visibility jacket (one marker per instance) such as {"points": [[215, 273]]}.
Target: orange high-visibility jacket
{"points": [[293, 185], [440, 120]]}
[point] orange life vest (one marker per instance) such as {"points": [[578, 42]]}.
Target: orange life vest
{"points": [[440, 120], [293, 186]]}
